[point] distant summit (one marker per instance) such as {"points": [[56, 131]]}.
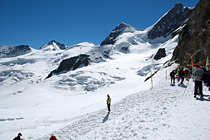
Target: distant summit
{"points": [[121, 28], [13, 51], [53, 45], [170, 22]]}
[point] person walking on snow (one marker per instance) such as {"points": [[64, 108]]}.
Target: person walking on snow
{"points": [[108, 101], [172, 75], [181, 75], [197, 75], [53, 137], [208, 78], [18, 137]]}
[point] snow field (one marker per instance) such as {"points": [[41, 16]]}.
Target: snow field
{"points": [[162, 113]]}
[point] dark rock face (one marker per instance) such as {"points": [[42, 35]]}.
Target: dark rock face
{"points": [[111, 39], [12, 51], [160, 54], [175, 18], [21, 48], [71, 64], [194, 39]]}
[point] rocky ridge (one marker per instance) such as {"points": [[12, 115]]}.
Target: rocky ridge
{"points": [[170, 22], [194, 39]]}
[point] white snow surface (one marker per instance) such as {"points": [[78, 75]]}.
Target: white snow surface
{"points": [[72, 105]]}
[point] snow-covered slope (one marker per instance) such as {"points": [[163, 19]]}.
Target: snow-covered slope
{"points": [[37, 106], [164, 112]]}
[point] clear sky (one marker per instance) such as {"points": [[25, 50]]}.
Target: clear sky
{"points": [[36, 22]]}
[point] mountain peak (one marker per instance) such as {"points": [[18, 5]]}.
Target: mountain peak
{"points": [[172, 20], [52, 41], [53, 45], [123, 24], [124, 27], [178, 5], [120, 29]]}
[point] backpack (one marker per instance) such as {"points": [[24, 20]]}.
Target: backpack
{"points": [[171, 74]]}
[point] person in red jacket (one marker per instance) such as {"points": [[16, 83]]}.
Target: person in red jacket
{"points": [[53, 137]]}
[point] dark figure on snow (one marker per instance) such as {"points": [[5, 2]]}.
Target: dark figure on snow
{"points": [[208, 79], [18, 137], [181, 74], [53, 137], [197, 75], [205, 75], [108, 101], [172, 75], [187, 74]]}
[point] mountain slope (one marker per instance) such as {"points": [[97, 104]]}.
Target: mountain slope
{"points": [[13, 51], [194, 40], [120, 29], [118, 67], [170, 22], [165, 112]]}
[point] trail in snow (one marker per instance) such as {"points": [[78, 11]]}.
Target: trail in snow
{"points": [[165, 112]]}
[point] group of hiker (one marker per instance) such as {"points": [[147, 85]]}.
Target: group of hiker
{"points": [[200, 75]]}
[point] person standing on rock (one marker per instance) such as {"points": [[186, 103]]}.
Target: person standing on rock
{"points": [[197, 75], [108, 101]]}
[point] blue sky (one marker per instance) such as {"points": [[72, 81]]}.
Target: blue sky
{"points": [[36, 22]]}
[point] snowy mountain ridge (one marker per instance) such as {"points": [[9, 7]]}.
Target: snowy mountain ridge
{"points": [[13, 51], [172, 20], [53, 45], [80, 77]]}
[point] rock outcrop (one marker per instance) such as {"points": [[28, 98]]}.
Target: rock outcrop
{"points": [[170, 22], [12, 51], [194, 39], [71, 64], [160, 54]]}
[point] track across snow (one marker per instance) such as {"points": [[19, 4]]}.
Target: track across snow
{"points": [[162, 113]]}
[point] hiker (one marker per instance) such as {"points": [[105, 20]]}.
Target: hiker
{"points": [[187, 74], [181, 74], [53, 137], [18, 137], [208, 79], [108, 101], [205, 75], [172, 75], [197, 75]]}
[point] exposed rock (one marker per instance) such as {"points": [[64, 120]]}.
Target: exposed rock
{"points": [[194, 39], [122, 28], [174, 19], [160, 54], [71, 64], [12, 51]]}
